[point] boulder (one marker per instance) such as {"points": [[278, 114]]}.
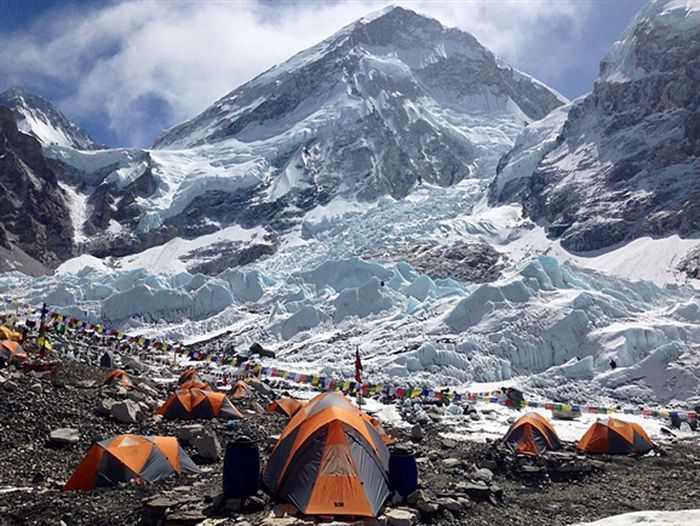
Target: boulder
{"points": [[126, 411], [85, 384], [208, 447], [414, 498], [427, 509], [63, 436], [9, 386], [451, 462], [448, 443], [104, 406], [416, 433], [401, 517], [184, 518], [450, 504], [36, 388], [483, 474], [189, 432]]}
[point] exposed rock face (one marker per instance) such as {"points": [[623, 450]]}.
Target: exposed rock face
{"points": [[690, 264], [35, 216], [625, 161], [477, 262]]}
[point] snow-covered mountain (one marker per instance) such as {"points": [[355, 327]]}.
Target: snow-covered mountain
{"points": [[623, 161], [38, 117], [388, 103], [340, 200]]}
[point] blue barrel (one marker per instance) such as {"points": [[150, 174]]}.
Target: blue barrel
{"points": [[241, 469], [403, 471]]}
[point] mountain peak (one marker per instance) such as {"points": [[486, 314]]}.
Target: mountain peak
{"points": [[38, 117]]}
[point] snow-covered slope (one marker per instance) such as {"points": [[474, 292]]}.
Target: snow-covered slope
{"points": [[387, 102], [38, 117], [623, 161], [390, 102], [313, 301]]}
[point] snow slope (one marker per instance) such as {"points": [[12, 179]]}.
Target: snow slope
{"points": [[38, 117]]}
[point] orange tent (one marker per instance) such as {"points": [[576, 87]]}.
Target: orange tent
{"points": [[126, 458], [190, 404], [11, 351], [286, 406], [118, 376], [187, 374], [194, 383], [378, 427], [329, 460], [531, 434], [615, 437], [241, 390], [8, 334]]}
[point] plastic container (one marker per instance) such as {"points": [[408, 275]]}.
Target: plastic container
{"points": [[403, 471], [241, 469]]}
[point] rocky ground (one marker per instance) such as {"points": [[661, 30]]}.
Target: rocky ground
{"points": [[465, 483]]}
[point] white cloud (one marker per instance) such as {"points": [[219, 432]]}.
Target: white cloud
{"points": [[111, 59]]}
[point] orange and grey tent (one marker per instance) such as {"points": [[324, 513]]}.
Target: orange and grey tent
{"points": [[8, 334], [378, 427], [126, 458], [329, 460], [190, 404], [531, 434], [286, 406], [241, 390], [194, 383], [187, 374], [11, 351], [615, 437], [118, 377]]}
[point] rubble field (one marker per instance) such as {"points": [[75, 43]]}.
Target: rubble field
{"points": [[48, 422]]}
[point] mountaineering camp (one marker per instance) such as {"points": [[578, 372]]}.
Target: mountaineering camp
{"points": [[340, 451], [269, 263]]}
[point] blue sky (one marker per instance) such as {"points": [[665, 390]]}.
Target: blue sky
{"points": [[127, 70]]}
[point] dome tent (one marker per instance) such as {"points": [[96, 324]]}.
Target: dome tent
{"points": [[329, 460], [615, 437], [190, 404], [531, 434], [127, 458]]}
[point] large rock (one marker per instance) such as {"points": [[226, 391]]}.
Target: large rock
{"points": [[208, 447], [126, 411], [64, 435], [401, 517], [417, 433], [104, 406], [189, 432]]}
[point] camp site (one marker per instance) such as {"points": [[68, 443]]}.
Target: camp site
{"points": [[346, 263], [97, 429]]}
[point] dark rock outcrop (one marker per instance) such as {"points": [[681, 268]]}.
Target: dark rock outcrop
{"points": [[34, 217]]}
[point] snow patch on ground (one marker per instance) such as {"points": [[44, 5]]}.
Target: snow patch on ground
{"points": [[649, 518]]}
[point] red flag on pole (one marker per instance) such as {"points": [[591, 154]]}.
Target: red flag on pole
{"points": [[358, 365]]}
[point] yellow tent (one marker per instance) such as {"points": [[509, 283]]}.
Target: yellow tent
{"points": [[8, 334]]}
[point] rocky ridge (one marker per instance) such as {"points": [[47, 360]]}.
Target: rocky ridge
{"points": [[623, 161], [33, 226]]}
